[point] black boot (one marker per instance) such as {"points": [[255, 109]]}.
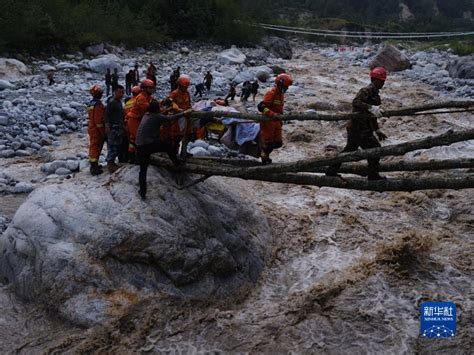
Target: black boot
{"points": [[376, 176], [95, 169]]}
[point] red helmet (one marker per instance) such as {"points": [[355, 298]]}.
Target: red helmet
{"points": [[379, 73], [147, 83], [96, 90], [284, 80], [136, 89], [184, 80]]}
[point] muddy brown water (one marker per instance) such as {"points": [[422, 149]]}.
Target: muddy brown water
{"points": [[349, 269]]}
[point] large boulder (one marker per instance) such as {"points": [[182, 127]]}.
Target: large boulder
{"points": [[263, 73], [109, 61], [279, 47], [5, 84], [94, 248], [11, 69], [95, 49], [231, 56], [391, 59], [462, 68]]}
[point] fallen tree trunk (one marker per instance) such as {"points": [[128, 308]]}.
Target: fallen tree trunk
{"points": [[339, 117], [309, 165], [408, 184], [358, 169]]}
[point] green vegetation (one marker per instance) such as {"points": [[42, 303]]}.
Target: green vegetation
{"points": [[51, 25]]}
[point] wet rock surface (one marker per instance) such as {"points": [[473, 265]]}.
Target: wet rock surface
{"points": [[95, 249]]}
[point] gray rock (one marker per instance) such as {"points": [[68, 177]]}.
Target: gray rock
{"points": [[22, 153], [23, 188], [81, 260], [45, 141], [231, 56], [5, 84], [51, 128], [7, 153], [35, 146], [42, 127], [3, 120], [72, 165], [101, 64], [66, 66], [462, 68], [391, 59], [12, 69], [16, 145], [279, 47], [47, 68], [62, 171], [184, 50], [95, 50]]}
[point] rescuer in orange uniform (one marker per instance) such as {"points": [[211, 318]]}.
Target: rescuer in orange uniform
{"points": [[96, 128], [180, 102], [135, 114], [271, 106]]}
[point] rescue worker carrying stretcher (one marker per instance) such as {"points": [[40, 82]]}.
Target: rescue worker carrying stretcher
{"points": [[180, 101], [360, 131], [271, 107], [96, 128], [136, 113]]}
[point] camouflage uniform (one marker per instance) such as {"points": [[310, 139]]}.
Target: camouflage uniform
{"points": [[360, 131]]}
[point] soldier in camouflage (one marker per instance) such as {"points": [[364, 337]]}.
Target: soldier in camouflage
{"points": [[360, 131]]}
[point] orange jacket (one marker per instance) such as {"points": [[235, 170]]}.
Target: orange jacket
{"points": [[129, 104], [273, 102], [142, 101], [180, 100], [95, 113]]}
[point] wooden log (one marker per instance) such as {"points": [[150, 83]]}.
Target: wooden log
{"points": [[342, 116], [309, 165], [406, 184], [357, 169]]}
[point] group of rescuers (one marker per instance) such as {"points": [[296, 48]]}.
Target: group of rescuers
{"points": [[148, 125]]}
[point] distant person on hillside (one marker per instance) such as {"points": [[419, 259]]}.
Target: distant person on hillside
{"points": [[360, 131], [232, 92], [208, 80], [129, 82], [199, 89], [108, 82], [115, 79], [246, 90], [50, 77], [254, 89], [174, 78], [136, 75], [151, 73]]}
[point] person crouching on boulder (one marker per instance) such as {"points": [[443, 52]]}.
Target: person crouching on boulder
{"points": [[271, 107], [96, 128], [148, 139], [360, 131]]}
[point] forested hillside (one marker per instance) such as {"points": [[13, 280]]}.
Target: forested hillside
{"points": [[42, 25]]}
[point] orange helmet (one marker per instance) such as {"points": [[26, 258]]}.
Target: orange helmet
{"points": [[184, 80], [96, 90], [136, 89], [379, 73], [284, 80], [147, 83]]}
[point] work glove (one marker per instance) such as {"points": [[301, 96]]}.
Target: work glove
{"points": [[380, 135], [376, 111]]}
